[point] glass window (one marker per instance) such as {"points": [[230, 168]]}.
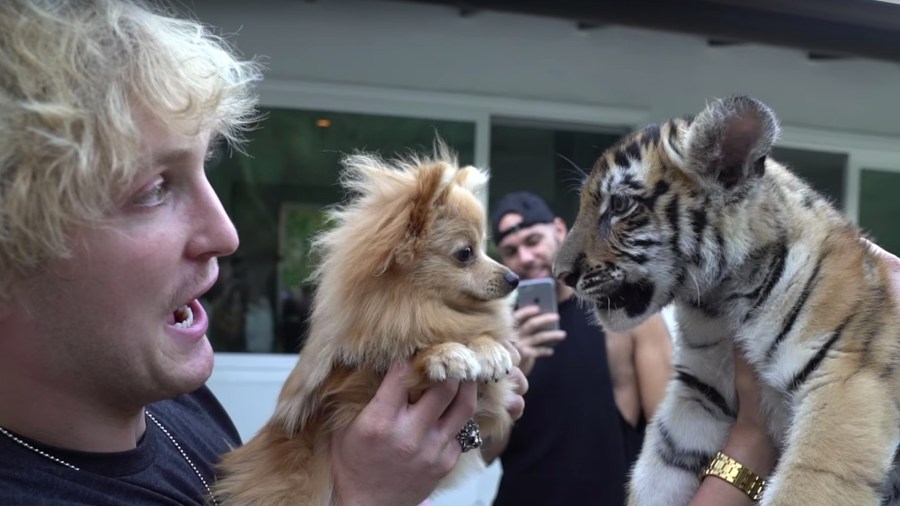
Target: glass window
{"points": [[275, 195], [547, 159], [879, 207], [826, 172]]}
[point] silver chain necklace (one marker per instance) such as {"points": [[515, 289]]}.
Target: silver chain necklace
{"points": [[76, 468]]}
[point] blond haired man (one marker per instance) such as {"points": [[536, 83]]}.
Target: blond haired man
{"points": [[109, 235]]}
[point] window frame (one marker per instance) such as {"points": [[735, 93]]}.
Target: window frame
{"points": [[862, 150]]}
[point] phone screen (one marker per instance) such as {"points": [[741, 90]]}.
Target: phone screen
{"points": [[540, 292]]}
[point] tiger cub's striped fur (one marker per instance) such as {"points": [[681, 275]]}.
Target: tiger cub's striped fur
{"points": [[695, 212]]}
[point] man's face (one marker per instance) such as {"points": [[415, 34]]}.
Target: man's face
{"points": [[530, 252], [103, 322]]}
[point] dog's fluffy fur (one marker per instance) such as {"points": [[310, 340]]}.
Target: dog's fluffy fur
{"points": [[401, 275]]}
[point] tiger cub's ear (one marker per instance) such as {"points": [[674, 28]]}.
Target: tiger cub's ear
{"points": [[728, 142]]}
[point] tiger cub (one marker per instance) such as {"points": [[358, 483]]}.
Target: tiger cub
{"points": [[694, 211]]}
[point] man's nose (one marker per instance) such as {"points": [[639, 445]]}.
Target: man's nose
{"points": [[525, 255], [214, 234]]}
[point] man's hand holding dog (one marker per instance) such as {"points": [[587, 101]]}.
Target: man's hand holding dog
{"points": [[515, 404], [396, 451], [534, 340]]}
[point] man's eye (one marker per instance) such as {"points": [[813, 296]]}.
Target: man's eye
{"points": [[465, 255], [154, 196], [619, 204]]}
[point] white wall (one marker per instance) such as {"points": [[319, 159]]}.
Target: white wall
{"points": [[425, 47]]}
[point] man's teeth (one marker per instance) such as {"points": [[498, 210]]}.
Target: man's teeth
{"points": [[184, 317]]}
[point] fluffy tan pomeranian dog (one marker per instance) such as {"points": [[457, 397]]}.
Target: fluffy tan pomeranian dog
{"points": [[401, 275]]}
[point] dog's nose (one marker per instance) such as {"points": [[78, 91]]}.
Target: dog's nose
{"points": [[511, 278], [568, 278]]}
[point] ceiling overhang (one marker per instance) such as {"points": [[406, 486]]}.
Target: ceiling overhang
{"points": [[822, 28]]}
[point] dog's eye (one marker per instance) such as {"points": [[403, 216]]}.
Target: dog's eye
{"points": [[465, 255], [619, 204]]}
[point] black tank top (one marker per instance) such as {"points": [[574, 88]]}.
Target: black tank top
{"points": [[571, 446]]}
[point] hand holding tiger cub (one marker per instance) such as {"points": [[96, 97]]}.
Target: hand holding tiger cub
{"points": [[695, 212], [748, 440]]}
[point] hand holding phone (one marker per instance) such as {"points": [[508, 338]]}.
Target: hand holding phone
{"points": [[539, 292], [537, 321]]}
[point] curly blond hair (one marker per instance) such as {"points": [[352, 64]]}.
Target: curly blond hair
{"points": [[75, 75]]}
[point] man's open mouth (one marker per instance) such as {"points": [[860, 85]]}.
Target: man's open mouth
{"points": [[184, 317]]}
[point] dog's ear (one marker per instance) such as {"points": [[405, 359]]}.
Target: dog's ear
{"points": [[419, 215]]}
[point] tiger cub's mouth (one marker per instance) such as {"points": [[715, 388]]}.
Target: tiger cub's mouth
{"points": [[633, 298], [599, 284]]}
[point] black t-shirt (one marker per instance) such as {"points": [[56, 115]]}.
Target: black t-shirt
{"points": [[153, 473], [571, 446]]}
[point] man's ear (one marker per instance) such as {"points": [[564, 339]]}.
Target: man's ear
{"points": [[560, 229], [727, 144]]}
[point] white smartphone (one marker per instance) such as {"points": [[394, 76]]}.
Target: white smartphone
{"points": [[540, 292]]}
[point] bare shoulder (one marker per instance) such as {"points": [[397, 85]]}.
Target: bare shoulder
{"points": [[653, 330], [652, 333], [620, 345]]}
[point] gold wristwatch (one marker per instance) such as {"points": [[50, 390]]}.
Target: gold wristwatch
{"points": [[726, 468]]}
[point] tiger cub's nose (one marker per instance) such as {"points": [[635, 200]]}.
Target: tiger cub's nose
{"points": [[568, 278]]}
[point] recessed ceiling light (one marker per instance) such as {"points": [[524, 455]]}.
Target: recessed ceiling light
{"points": [[323, 122]]}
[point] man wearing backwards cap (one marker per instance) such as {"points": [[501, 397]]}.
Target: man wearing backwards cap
{"points": [[590, 392]]}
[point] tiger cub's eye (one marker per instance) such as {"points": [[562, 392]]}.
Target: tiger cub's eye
{"points": [[619, 204]]}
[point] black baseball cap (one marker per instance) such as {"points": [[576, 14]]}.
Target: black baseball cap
{"points": [[532, 208]]}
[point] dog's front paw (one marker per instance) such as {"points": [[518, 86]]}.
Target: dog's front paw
{"points": [[494, 359], [450, 361]]}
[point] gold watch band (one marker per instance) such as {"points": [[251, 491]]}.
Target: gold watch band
{"points": [[726, 468]]}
